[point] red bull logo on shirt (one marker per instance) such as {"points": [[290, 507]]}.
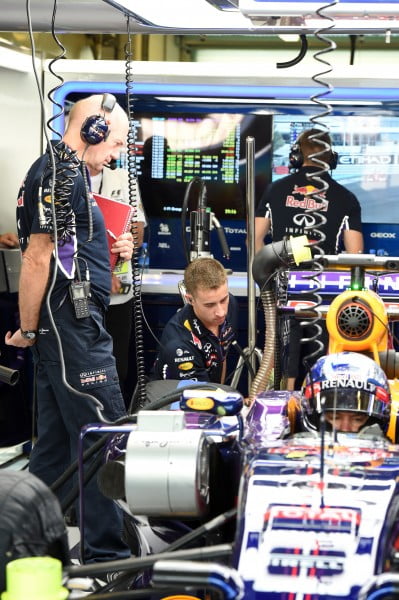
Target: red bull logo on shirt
{"points": [[308, 202], [304, 189]]}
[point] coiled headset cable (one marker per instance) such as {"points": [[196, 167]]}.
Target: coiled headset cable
{"points": [[134, 196], [313, 323]]}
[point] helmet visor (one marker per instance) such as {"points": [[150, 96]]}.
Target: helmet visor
{"points": [[371, 404]]}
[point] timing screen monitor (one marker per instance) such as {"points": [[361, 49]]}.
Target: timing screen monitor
{"points": [[368, 158], [173, 149]]}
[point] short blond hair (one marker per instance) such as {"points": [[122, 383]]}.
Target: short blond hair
{"points": [[207, 273]]}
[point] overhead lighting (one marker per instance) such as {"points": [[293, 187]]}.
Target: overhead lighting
{"points": [[263, 101], [181, 14], [15, 61], [5, 42], [370, 15], [224, 4], [289, 37], [296, 8]]}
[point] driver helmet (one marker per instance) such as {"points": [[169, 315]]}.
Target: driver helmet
{"points": [[347, 381]]}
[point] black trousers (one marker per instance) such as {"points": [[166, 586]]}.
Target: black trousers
{"points": [[90, 370]]}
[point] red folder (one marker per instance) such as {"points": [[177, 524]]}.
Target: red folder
{"points": [[117, 217]]}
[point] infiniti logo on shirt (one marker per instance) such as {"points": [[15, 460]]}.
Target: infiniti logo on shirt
{"points": [[304, 220]]}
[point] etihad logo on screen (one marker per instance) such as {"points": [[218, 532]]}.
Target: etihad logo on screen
{"points": [[368, 159]]}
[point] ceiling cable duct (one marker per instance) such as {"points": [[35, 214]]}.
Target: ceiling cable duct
{"points": [[297, 59]]}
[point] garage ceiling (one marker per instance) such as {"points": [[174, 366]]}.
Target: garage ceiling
{"points": [[184, 16], [102, 25]]}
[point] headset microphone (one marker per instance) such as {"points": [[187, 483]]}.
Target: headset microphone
{"points": [[113, 164]]}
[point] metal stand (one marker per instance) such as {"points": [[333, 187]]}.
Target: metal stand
{"points": [[253, 353]]}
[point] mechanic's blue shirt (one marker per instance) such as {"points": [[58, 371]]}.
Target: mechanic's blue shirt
{"points": [[188, 350], [35, 215]]}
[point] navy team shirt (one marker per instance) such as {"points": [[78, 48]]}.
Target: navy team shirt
{"points": [[188, 350], [34, 215]]}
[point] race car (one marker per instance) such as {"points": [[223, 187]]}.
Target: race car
{"points": [[272, 501]]}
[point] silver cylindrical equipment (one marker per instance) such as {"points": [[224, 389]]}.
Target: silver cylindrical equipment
{"points": [[167, 471]]}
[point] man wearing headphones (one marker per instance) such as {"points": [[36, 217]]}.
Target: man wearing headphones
{"points": [[64, 291], [285, 210]]}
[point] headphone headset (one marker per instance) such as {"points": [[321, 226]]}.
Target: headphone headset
{"points": [[296, 157], [95, 129]]}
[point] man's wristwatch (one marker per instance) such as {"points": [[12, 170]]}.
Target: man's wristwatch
{"points": [[29, 335]]}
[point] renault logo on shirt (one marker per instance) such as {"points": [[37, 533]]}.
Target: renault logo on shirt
{"points": [[304, 220]]}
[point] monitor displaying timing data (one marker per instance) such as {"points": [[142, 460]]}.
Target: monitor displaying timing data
{"points": [[368, 158], [174, 148]]}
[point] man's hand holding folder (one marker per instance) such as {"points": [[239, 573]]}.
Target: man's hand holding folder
{"points": [[123, 245]]}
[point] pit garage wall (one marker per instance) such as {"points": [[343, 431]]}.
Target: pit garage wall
{"points": [[20, 144], [20, 126]]}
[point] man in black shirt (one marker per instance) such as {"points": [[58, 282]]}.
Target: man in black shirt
{"points": [[285, 210]]}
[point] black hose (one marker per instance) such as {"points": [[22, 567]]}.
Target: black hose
{"points": [[297, 59], [215, 523], [9, 376], [244, 356], [124, 595]]}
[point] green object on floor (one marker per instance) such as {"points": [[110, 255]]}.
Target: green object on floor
{"points": [[36, 578]]}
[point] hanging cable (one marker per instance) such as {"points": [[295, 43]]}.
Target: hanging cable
{"points": [[321, 186], [318, 159], [134, 198]]}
